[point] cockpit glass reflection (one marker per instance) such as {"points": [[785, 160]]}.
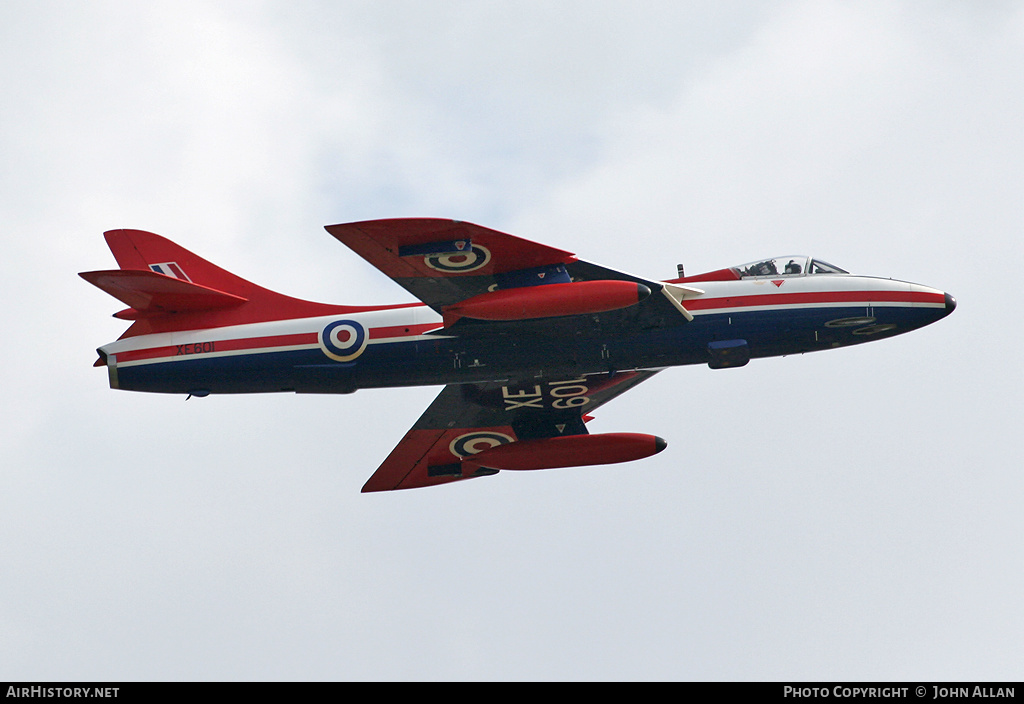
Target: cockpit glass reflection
{"points": [[792, 265]]}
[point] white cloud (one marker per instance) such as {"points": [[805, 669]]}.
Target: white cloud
{"points": [[817, 534]]}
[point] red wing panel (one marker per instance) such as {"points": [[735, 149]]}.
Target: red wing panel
{"points": [[426, 457], [379, 242], [466, 419], [443, 261]]}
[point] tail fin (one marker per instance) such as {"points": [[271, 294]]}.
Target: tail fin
{"points": [[169, 288], [136, 250]]}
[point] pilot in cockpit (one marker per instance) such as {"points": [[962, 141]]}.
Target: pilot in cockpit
{"points": [[765, 268]]}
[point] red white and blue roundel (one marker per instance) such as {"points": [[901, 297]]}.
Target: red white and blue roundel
{"points": [[343, 340], [472, 443], [476, 258]]}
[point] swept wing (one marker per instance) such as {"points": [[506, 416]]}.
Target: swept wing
{"points": [[467, 419], [446, 263]]}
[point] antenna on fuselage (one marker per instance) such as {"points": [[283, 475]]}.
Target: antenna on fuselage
{"points": [[679, 271]]}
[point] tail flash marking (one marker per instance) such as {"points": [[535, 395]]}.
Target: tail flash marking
{"points": [[170, 269]]}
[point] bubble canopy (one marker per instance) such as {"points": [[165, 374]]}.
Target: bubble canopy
{"points": [[790, 265]]}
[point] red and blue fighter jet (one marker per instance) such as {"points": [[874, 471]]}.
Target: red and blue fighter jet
{"points": [[527, 339]]}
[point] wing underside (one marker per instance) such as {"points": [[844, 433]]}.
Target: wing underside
{"points": [[467, 419]]}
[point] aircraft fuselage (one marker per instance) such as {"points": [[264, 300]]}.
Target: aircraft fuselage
{"points": [[527, 339], [733, 321]]}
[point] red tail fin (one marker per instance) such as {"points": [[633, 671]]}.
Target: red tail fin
{"points": [[169, 288], [137, 250]]}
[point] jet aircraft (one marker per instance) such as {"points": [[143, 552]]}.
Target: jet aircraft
{"points": [[528, 339]]}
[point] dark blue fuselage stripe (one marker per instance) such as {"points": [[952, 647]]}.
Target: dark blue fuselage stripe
{"points": [[440, 361]]}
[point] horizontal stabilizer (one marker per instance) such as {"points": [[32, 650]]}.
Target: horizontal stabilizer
{"points": [[171, 289], [148, 293]]}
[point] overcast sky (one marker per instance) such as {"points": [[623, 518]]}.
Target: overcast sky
{"points": [[852, 514]]}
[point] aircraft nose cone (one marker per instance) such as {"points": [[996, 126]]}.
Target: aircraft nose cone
{"points": [[950, 304]]}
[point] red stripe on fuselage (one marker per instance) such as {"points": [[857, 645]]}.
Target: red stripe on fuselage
{"points": [[794, 299], [301, 338], [402, 330], [266, 343], [248, 343]]}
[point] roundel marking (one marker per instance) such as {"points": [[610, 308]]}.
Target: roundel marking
{"points": [[476, 258], [343, 340], [472, 443]]}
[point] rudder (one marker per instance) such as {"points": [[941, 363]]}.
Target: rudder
{"points": [[139, 250]]}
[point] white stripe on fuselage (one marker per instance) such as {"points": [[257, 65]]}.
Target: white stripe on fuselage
{"points": [[421, 315]]}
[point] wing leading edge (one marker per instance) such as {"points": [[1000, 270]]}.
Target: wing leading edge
{"points": [[458, 268]]}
